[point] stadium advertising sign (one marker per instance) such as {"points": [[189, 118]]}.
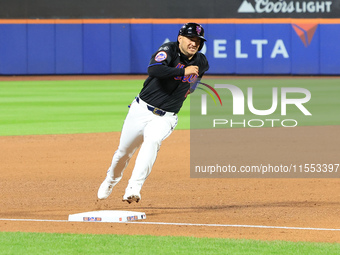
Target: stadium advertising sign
{"points": [[288, 9], [267, 6], [19, 9]]}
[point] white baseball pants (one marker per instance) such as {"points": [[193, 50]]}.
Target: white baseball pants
{"points": [[141, 127]]}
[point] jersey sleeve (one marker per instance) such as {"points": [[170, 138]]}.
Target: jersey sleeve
{"points": [[159, 65], [204, 65]]}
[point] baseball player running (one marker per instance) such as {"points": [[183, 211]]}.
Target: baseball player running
{"points": [[173, 70]]}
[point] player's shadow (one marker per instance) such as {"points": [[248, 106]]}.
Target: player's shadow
{"points": [[153, 210]]}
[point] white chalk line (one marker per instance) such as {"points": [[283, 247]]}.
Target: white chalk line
{"points": [[188, 224], [234, 226], [40, 220]]}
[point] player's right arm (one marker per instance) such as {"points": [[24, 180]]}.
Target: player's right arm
{"points": [[159, 65], [162, 71]]}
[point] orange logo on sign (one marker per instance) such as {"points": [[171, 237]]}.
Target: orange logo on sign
{"points": [[305, 32]]}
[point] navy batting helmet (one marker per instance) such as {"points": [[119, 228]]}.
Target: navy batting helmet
{"points": [[193, 30]]}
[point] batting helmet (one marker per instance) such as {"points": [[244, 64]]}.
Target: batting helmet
{"points": [[193, 30]]}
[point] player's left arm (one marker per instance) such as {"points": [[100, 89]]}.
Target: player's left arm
{"points": [[204, 66]]}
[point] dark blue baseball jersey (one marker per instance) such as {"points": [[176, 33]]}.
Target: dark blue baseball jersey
{"points": [[167, 87]]}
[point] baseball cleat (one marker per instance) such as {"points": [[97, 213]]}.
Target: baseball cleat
{"points": [[132, 198], [105, 189], [131, 195]]}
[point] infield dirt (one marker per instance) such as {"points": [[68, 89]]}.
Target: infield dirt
{"points": [[52, 176]]}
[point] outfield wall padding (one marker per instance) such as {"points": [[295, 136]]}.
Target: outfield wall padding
{"points": [[297, 47]]}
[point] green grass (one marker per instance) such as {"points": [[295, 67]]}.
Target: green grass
{"points": [[68, 107], [64, 107], [42, 243], [87, 106]]}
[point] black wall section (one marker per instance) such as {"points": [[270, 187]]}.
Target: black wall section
{"points": [[75, 9]]}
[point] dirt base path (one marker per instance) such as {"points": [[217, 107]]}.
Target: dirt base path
{"points": [[49, 177]]}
